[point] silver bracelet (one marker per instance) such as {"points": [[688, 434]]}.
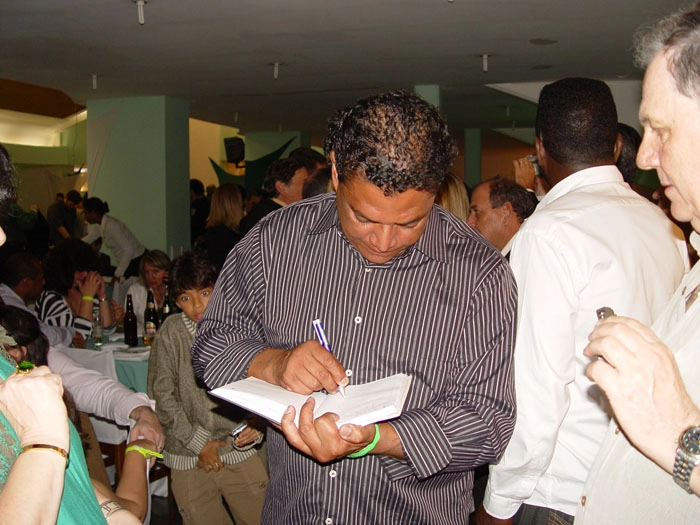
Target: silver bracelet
{"points": [[110, 507]]}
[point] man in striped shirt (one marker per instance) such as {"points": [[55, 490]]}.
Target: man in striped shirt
{"points": [[402, 286]]}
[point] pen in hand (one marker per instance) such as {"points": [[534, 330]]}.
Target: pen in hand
{"points": [[321, 334]]}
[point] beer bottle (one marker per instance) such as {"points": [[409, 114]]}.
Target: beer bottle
{"points": [[167, 310], [97, 327], [150, 320], [130, 329]]}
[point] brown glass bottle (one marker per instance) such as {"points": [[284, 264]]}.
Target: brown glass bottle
{"points": [[167, 309], [150, 320], [130, 329]]}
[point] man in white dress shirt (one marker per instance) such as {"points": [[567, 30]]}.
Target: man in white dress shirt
{"points": [[591, 242], [646, 469]]}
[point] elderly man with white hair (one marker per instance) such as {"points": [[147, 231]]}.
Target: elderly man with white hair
{"points": [[647, 469]]}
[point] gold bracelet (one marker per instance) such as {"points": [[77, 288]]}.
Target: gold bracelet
{"points": [[57, 450]]}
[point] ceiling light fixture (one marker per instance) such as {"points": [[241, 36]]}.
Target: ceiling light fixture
{"points": [[485, 63], [139, 7], [94, 81], [275, 70]]}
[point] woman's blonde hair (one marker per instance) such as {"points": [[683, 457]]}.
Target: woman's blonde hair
{"points": [[226, 207], [453, 197], [156, 258]]}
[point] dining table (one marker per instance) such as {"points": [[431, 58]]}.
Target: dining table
{"points": [[130, 362]]}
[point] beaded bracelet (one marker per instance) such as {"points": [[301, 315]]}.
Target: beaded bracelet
{"points": [[369, 448], [143, 451], [58, 450], [88, 298]]}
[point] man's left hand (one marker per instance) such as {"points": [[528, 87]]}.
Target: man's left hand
{"points": [[147, 427], [321, 438]]}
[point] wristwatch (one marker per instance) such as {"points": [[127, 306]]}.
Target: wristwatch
{"points": [[687, 457]]}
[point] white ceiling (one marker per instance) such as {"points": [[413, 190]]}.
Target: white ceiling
{"points": [[218, 54]]}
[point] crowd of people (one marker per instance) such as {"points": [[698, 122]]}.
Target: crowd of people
{"points": [[550, 325]]}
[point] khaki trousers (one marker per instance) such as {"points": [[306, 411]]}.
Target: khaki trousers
{"points": [[199, 494]]}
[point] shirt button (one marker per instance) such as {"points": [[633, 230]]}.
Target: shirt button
{"points": [[617, 430], [332, 473], [358, 319], [367, 270], [329, 521], [583, 501]]}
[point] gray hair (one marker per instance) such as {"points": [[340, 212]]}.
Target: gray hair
{"points": [[678, 35]]}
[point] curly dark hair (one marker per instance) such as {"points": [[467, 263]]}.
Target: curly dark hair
{"points": [[63, 260], [396, 140], [577, 121]]}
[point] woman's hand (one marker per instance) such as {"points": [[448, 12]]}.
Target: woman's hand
{"points": [[33, 404], [90, 286], [101, 289]]}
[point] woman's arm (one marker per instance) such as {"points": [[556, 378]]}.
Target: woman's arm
{"points": [[132, 489], [34, 408]]}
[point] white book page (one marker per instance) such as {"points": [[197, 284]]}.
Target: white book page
{"points": [[363, 404], [368, 403]]}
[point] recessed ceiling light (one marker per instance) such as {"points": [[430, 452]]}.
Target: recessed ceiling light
{"points": [[543, 41]]}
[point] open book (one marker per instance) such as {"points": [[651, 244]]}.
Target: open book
{"points": [[363, 404]]}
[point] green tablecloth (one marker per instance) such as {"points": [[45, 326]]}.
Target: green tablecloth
{"points": [[133, 374], [130, 373]]}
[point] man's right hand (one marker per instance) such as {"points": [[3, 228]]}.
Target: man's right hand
{"points": [[304, 369]]}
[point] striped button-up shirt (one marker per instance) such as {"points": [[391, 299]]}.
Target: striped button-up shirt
{"points": [[443, 311]]}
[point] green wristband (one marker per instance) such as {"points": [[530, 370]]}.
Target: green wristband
{"points": [[143, 451], [369, 448]]}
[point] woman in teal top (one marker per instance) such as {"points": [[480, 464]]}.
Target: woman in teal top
{"points": [[36, 485], [78, 503]]}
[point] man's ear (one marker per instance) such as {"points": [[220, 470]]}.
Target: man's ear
{"points": [[507, 212], [334, 171], [540, 150], [18, 353], [542, 154], [617, 150]]}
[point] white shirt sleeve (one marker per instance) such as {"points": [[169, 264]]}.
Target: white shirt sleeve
{"points": [[93, 392], [93, 234]]}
